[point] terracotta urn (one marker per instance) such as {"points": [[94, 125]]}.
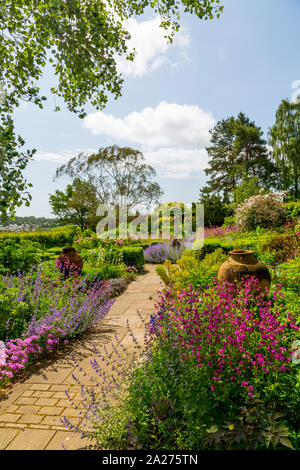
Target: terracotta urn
{"points": [[74, 259], [243, 264]]}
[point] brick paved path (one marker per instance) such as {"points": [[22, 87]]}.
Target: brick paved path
{"points": [[31, 412]]}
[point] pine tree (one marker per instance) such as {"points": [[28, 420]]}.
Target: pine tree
{"points": [[238, 152]]}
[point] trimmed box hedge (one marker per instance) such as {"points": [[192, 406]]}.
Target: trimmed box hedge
{"points": [[48, 239], [133, 256]]}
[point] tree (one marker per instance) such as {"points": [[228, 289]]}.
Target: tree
{"points": [[13, 187], [284, 137], [246, 189], [215, 210], [77, 205], [115, 172], [237, 152], [81, 39]]}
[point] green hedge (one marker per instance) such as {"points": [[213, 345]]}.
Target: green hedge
{"points": [[48, 239], [133, 256], [210, 245]]}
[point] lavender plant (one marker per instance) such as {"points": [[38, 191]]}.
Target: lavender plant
{"points": [[162, 252]]}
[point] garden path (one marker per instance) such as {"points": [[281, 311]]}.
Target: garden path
{"points": [[31, 410]]}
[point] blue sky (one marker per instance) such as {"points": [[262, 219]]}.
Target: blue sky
{"points": [[173, 94]]}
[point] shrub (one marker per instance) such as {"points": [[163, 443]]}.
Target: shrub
{"points": [[105, 272], [16, 257], [190, 271], [212, 355], [161, 252], [288, 276], [32, 305], [133, 256], [60, 236], [282, 247], [292, 209], [263, 210]]}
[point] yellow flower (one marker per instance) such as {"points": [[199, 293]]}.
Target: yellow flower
{"points": [[231, 427]]}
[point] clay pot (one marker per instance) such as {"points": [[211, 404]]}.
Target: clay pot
{"points": [[243, 264], [74, 258]]}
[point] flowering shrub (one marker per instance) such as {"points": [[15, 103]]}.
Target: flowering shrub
{"points": [[189, 270], [264, 210], [282, 247], [217, 372], [212, 354], [220, 232], [20, 352], [161, 252]]}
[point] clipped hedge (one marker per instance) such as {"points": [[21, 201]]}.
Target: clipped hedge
{"points": [[48, 239], [133, 256], [210, 245]]}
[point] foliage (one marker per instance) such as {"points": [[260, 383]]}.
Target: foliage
{"points": [[287, 275], [263, 210], [82, 40], [161, 252], [133, 256], [77, 205], [212, 354], [16, 257], [237, 153], [245, 189], [35, 300], [60, 236], [284, 139], [13, 186], [115, 172], [292, 209], [215, 211], [104, 272], [281, 247], [191, 271]]}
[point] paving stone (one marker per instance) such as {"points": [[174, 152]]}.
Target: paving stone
{"points": [[42, 394], [46, 401], [25, 401], [11, 409], [63, 395], [6, 436], [50, 410], [39, 386], [58, 388], [73, 412], [69, 440], [31, 439], [9, 417], [52, 420], [30, 419], [28, 409], [27, 393]]}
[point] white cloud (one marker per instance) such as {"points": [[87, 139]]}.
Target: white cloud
{"points": [[169, 124], [172, 137], [61, 157], [147, 38], [174, 162]]}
